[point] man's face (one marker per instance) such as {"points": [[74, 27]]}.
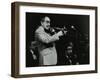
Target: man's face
{"points": [[46, 23], [69, 49]]}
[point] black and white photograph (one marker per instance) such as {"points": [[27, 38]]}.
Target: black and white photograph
{"points": [[51, 39], [56, 39]]}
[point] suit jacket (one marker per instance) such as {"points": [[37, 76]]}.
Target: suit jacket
{"points": [[46, 47]]}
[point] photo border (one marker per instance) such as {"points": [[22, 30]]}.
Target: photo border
{"points": [[15, 69]]}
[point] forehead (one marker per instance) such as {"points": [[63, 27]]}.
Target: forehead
{"points": [[47, 19]]}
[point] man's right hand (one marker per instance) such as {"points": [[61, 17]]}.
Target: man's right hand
{"points": [[60, 33]]}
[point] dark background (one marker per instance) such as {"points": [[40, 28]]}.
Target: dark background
{"points": [[81, 23]]}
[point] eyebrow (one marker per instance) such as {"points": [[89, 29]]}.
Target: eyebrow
{"points": [[47, 21]]}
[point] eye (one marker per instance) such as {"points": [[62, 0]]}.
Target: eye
{"points": [[47, 21]]}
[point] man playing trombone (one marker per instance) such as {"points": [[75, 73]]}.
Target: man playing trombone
{"points": [[46, 42]]}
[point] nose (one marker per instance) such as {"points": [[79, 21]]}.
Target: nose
{"points": [[49, 24]]}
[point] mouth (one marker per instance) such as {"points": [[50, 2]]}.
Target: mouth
{"points": [[48, 26]]}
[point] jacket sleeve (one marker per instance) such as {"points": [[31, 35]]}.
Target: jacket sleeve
{"points": [[46, 38]]}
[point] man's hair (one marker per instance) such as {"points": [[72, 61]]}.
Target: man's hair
{"points": [[43, 18]]}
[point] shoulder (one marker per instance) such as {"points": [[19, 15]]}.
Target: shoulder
{"points": [[39, 29]]}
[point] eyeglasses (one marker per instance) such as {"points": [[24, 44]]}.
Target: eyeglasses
{"points": [[47, 21]]}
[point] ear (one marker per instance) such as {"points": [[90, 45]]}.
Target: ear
{"points": [[41, 23]]}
